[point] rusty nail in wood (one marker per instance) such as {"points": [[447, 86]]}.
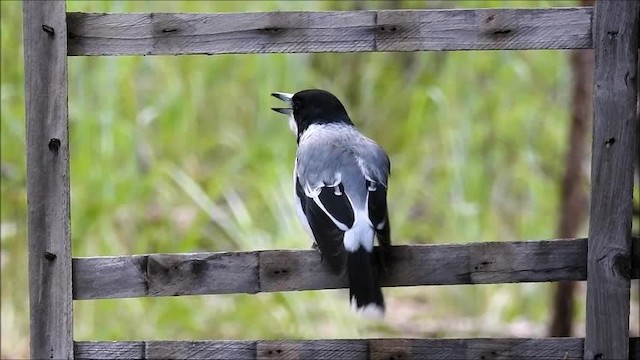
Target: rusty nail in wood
{"points": [[49, 256], [609, 142], [54, 144], [48, 29]]}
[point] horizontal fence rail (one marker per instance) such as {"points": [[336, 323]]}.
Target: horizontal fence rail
{"points": [[337, 31], [362, 349], [286, 270]]}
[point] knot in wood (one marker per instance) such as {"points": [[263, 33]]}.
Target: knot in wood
{"points": [[50, 256], [54, 144], [497, 23], [199, 267], [622, 266], [501, 32], [272, 29]]}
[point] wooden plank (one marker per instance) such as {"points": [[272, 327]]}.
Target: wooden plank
{"points": [[165, 275], [221, 349], [487, 29], [311, 349], [353, 349], [100, 282], [111, 350], [345, 31], [613, 154], [49, 241], [287, 270], [222, 33]]}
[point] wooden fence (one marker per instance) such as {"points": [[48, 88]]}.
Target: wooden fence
{"points": [[607, 260]]}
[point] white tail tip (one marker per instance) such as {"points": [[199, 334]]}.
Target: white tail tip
{"points": [[371, 311]]}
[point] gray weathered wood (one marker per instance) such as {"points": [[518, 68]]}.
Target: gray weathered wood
{"points": [[117, 349], [286, 270], [221, 349], [494, 29], [50, 298], [311, 349], [361, 349], [613, 154], [347, 31], [165, 275]]}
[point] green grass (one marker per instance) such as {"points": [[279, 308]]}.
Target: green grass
{"points": [[182, 154]]}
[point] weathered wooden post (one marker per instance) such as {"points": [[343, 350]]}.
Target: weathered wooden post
{"points": [[609, 264], [50, 292], [615, 39]]}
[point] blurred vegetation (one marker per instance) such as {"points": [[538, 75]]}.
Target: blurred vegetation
{"points": [[183, 154]]}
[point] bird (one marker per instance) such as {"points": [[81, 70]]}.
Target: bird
{"points": [[340, 181]]}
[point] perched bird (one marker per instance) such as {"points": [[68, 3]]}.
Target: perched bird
{"points": [[340, 179]]}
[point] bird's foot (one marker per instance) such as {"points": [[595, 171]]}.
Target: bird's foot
{"points": [[314, 246]]}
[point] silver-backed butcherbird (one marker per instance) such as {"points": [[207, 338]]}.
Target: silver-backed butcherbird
{"points": [[341, 181]]}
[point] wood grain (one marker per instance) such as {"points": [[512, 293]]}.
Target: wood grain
{"points": [[487, 29], [287, 270], [360, 349], [222, 33], [49, 241], [343, 31], [609, 259]]}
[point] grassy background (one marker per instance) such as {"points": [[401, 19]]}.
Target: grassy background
{"points": [[182, 154]]}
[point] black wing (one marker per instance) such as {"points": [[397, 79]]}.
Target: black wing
{"points": [[329, 216], [379, 218]]}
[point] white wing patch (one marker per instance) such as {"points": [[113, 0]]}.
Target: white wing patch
{"points": [[361, 233], [313, 190]]}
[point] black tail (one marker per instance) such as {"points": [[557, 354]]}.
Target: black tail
{"points": [[364, 289]]}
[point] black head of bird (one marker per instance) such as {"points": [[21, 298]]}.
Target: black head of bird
{"points": [[312, 106]]}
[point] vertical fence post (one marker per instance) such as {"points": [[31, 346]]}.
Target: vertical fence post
{"points": [[50, 292], [615, 39]]}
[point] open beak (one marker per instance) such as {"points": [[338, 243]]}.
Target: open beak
{"points": [[286, 97]]}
